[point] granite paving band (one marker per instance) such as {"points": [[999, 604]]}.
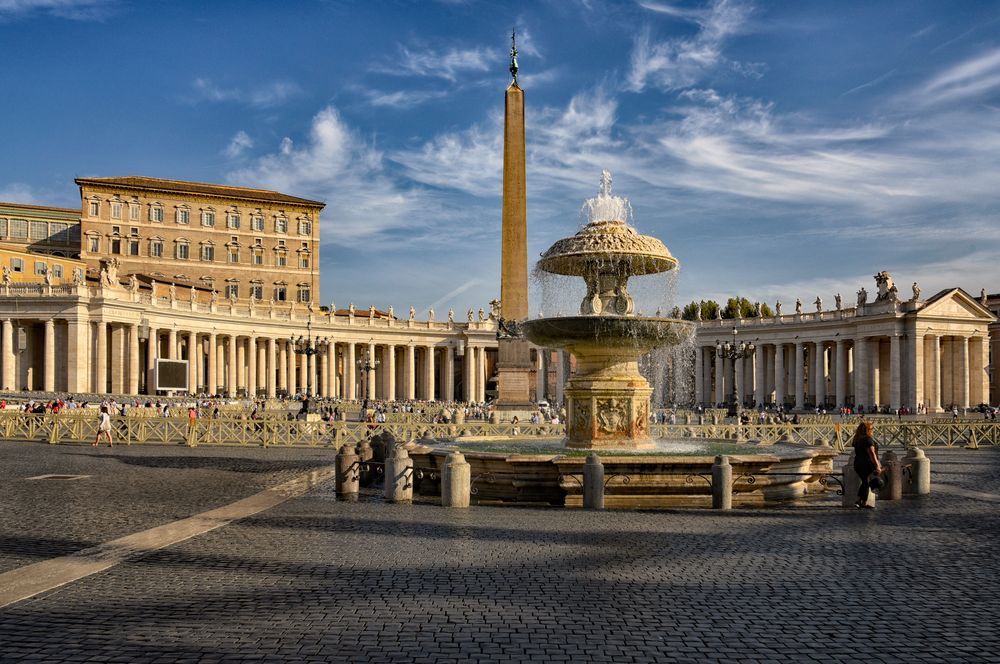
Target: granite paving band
{"points": [[22, 583]]}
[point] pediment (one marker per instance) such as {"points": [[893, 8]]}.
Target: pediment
{"points": [[956, 304]]}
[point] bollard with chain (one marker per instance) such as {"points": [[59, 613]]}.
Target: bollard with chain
{"points": [[722, 483], [593, 483], [456, 481], [920, 472], [893, 477], [398, 476], [851, 483], [347, 474], [365, 454]]}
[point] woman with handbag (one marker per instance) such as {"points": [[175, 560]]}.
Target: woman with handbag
{"points": [[866, 463]]}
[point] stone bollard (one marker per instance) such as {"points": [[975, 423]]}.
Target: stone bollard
{"points": [[398, 476], [593, 483], [347, 474], [722, 484], [365, 454], [456, 481], [920, 472], [378, 448], [851, 483], [893, 476]]}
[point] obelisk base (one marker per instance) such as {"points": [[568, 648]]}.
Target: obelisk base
{"points": [[514, 375]]}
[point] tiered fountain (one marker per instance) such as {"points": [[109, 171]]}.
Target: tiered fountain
{"points": [[608, 399]]}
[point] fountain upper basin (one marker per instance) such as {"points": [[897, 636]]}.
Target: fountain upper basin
{"points": [[598, 333]]}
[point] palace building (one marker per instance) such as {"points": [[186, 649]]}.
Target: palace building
{"points": [[224, 278]]}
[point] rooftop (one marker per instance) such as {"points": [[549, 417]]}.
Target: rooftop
{"points": [[46, 208], [181, 186]]}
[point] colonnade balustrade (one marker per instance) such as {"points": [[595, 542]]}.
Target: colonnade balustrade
{"points": [[934, 371], [80, 354]]}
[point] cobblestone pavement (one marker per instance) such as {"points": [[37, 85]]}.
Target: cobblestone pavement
{"points": [[318, 580], [129, 489]]}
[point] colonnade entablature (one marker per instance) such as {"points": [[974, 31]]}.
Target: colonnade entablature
{"points": [[922, 355], [106, 339]]}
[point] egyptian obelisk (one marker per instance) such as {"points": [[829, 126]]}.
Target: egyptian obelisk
{"points": [[514, 361]]}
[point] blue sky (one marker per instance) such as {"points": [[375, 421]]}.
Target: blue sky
{"points": [[779, 149]]}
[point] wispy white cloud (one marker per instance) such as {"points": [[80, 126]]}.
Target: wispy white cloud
{"points": [[240, 143], [76, 10], [971, 78], [266, 95], [449, 64], [18, 192], [403, 99], [872, 83], [680, 62]]}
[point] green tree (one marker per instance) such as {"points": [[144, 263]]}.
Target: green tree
{"points": [[736, 307]]}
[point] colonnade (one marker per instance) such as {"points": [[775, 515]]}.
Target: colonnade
{"points": [[78, 355], [895, 370]]}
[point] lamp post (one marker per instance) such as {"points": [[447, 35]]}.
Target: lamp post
{"points": [[366, 364], [307, 347], [734, 351]]}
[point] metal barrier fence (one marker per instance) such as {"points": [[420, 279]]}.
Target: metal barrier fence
{"points": [[73, 428]]}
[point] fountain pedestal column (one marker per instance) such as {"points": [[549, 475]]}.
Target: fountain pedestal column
{"points": [[608, 405]]}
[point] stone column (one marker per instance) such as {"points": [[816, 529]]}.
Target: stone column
{"points": [[101, 361], [313, 377], [841, 377], [324, 374], [469, 388], [371, 375], [560, 376], [192, 358], [272, 375], [963, 372], [984, 361], [152, 353], [241, 364], [212, 381], [431, 376], [77, 352], [759, 382], [133, 359], [720, 380], [800, 363], [738, 369], [819, 373], [895, 373], [9, 382], [262, 366], [350, 364], [304, 384], [172, 343], [540, 375], [779, 374], [390, 359], [333, 366], [914, 370], [251, 359], [117, 353], [49, 379], [282, 364], [410, 371], [861, 371], [699, 374], [448, 388], [481, 374], [231, 368], [291, 373]]}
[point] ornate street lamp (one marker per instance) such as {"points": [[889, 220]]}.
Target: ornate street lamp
{"points": [[366, 365], [307, 347], [734, 351]]}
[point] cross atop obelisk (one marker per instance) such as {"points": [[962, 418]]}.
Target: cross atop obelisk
{"points": [[514, 363]]}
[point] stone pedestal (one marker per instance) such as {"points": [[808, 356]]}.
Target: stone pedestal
{"points": [[608, 408]]}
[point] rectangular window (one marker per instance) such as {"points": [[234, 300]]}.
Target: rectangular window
{"points": [[133, 248], [116, 245], [116, 230], [3, 229], [40, 268], [183, 251], [183, 216], [156, 214], [59, 233], [304, 295], [280, 225], [234, 220], [305, 228], [94, 244], [155, 249], [234, 255], [232, 290], [258, 223], [18, 229], [116, 210], [133, 231], [303, 261], [258, 258], [208, 218], [133, 212], [17, 265], [95, 208], [39, 230], [57, 271], [208, 253], [257, 292], [282, 259], [280, 294]]}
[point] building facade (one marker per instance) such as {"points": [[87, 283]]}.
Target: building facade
{"points": [[243, 243], [929, 353], [41, 229]]}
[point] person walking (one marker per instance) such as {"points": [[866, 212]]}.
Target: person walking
{"points": [[103, 427], [866, 463]]}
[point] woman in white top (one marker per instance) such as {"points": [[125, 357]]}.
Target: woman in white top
{"points": [[104, 427]]}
